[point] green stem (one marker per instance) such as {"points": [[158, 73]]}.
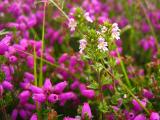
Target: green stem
{"points": [[42, 50], [35, 67], [149, 23], [129, 91], [55, 4], [124, 70]]}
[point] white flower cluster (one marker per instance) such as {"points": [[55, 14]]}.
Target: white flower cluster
{"points": [[83, 44], [72, 24], [115, 31]]}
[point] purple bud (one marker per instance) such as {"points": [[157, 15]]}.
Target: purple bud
{"points": [[7, 85], [4, 44], [47, 85], [68, 96], [23, 113], [39, 97], [86, 111], [74, 85], [30, 61], [88, 93], [148, 94], [49, 58], [63, 58], [1, 90], [53, 98], [35, 89], [24, 96], [30, 106], [34, 117], [14, 114], [29, 76], [58, 88], [136, 105], [140, 117], [154, 116], [13, 59]]}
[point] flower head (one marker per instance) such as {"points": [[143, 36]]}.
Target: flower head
{"points": [[83, 44], [88, 18], [72, 24], [102, 45], [115, 31], [86, 111]]}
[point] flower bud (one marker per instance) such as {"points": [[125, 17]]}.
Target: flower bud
{"points": [[53, 98], [86, 111], [58, 88]]}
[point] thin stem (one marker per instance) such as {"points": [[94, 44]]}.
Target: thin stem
{"points": [[55, 4], [100, 91], [42, 50], [124, 70], [35, 67], [129, 91], [149, 23]]}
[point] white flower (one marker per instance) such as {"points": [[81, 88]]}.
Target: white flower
{"points": [[83, 44], [115, 31], [88, 18], [102, 45], [103, 29], [72, 24]]}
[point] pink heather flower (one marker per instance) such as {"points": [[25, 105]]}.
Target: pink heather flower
{"points": [[34, 117], [29, 76], [115, 31], [47, 85], [59, 87], [23, 114], [40, 97], [13, 59], [14, 114], [4, 44], [1, 90], [154, 116], [35, 89], [70, 118], [82, 46], [87, 17], [52, 98], [148, 94], [72, 24], [30, 61], [88, 93], [7, 85], [136, 105], [24, 96], [86, 111], [63, 58], [102, 45], [140, 117]]}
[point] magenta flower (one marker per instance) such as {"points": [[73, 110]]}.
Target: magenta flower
{"points": [[148, 94], [154, 116], [34, 117], [86, 111], [7, 85], [24, 96], [53, 98], [136, 105], [140, 117], [88, 93], [59, 87], [4, 44], [39, 97]]}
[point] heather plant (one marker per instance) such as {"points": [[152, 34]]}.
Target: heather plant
{"points": [[79, 60]]}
